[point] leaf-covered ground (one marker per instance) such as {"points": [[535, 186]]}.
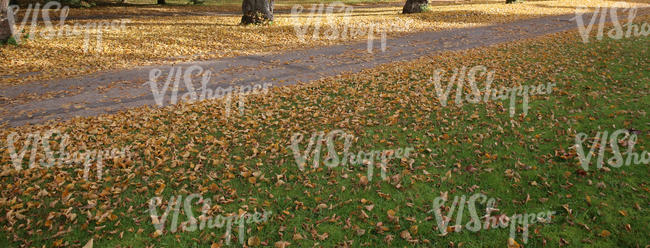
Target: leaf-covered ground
{"points": [[189, 38], [244, 163]]}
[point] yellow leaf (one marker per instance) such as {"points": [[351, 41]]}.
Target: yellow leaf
{"points": [[512, 243], [160, 189], [254, 241], [604, 234], [157, 233]]}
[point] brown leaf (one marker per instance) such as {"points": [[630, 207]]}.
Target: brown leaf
{"points": [[405, 235], [363, 180], [160, 189], [281, 244], [254, 241], [323, 236]]}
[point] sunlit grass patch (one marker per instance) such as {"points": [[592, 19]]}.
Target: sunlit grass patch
{"points": [[163, 39]]}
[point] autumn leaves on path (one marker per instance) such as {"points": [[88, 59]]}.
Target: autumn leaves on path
{"points": [[112, 91]]}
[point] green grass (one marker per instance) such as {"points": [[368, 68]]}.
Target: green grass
{"points": [[600, 86]]}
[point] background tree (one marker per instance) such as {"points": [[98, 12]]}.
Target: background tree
{"points": [[5, 28], [415, 6], [161, 2], [257, 11]]}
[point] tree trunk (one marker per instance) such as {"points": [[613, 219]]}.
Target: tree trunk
{"points": [[161, 2], [257, 11], [5, 26], [415, 6]]}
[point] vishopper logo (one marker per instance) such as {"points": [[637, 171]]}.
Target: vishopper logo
{"points": [[63, 29], [618, 159], [333, 31], [617, 32], [487, 221], [205, 220], [332, 159], [173, 79], [88, 157], [462, 76]]}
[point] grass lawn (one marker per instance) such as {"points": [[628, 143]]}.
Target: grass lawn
{"points": [[245, 163]]}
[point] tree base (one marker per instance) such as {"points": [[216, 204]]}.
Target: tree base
{"points": [[255, 18], [5, 30], [5, 25], [257, 12], [415, 6]]}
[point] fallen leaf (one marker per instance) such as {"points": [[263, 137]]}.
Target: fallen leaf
{"points": [[89, 244], [512, 243], [281, 244], [254, 241], [604, 234]]}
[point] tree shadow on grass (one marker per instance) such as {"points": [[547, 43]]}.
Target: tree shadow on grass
{"points": [[465, 16], [193, 24], [632, 1], [554, 7]]}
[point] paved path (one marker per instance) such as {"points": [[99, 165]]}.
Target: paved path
{"points": [[107, 92]]}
